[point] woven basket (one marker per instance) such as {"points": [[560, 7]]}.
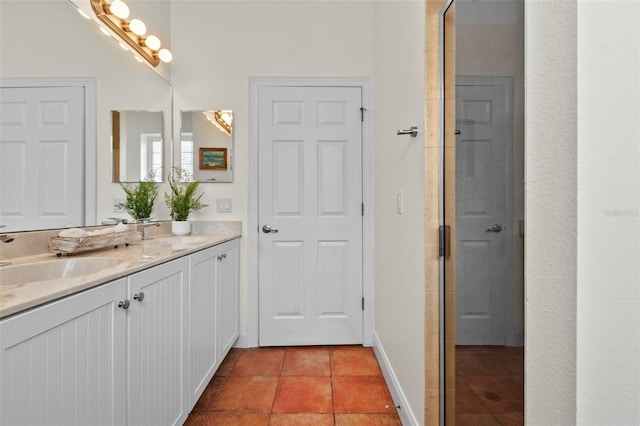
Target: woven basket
{"points": [[71, 245]]}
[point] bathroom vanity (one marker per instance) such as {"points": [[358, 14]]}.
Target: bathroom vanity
{"points": [[137, 349]]}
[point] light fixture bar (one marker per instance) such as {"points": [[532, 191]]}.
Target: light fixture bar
{"points": [[115, 24]]}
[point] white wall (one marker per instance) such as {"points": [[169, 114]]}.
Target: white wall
{"points": [[608, 310], [399, 167], [551, 212], [583, 212], [384, 40]]}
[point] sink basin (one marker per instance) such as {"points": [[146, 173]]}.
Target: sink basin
{"points": [[179, 240], [53, 269]]}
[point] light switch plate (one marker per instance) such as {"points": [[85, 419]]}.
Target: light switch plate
{"points": [[224, 205]]}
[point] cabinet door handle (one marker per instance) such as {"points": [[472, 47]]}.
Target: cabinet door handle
{"points": [[124, 304], [219, 257], [139, 296], [224, 255]]}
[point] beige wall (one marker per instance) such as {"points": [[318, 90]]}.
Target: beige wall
{"points": [[551, 215], [582, 203], [608, 293], [399, 167]]}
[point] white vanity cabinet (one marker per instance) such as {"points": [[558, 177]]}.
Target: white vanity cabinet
{"points": [[228, 277], [64, 362], [156, 345], [213, 312], [136, 351]]}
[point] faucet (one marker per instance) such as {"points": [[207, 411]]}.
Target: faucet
{"points": [[6, 238], [142, 227]]}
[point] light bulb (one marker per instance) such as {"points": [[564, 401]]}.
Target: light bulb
{"points": [[153, 42], [84, 15], [119, 9], [137, 27], [165, 55]]}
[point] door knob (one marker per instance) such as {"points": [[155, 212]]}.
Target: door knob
{"points": [[267, 229], [124, 304], [495, 228], [139, 296]]}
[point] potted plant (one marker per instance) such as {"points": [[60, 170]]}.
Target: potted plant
{"points": [[140, 197], [182, 200]]}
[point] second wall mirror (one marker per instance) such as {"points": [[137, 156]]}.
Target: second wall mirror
{"points": [[206, 145], [137, 146]]}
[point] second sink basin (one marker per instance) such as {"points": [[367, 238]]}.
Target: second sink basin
{"points": [[179, 240], [54, 269]]}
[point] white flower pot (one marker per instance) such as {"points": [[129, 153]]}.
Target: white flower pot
{"points": [[181, 227]]}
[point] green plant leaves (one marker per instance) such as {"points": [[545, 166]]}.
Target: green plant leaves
{"points": [[182, 200], [140, 197]]}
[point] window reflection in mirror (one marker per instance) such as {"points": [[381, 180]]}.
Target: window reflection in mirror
{"points": [[136, 144], [206, 145]]}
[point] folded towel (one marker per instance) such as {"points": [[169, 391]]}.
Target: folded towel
{"points": [[73, 232]]}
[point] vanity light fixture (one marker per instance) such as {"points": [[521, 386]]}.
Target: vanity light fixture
{"points": [[114, 15], [222, 119]]}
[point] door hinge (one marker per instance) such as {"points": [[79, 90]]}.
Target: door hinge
{"points": [[362, 110], [363, 303], [362, 205], [444, 241]]}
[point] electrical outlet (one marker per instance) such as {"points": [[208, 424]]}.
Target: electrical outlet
{"points": [[117, 201]]}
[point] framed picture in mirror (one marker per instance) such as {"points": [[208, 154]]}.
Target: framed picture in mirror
{"points": [[213, 158]]}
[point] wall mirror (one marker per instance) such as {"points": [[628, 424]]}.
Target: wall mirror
{"points": [[206, 145], [482, 169], [71, 46], [137, 146]]}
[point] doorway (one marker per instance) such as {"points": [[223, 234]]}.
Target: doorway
{"points": [[482, 181], [268, 226]]}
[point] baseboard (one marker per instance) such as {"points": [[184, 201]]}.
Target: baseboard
{"points": [[407, 417], [242, 341]]}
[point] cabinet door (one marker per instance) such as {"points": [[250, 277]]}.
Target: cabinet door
{"points": [[229, 295], [203, 350], [64, 362], [156, 332]]}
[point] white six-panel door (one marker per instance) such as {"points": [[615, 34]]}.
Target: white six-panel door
{"points": [[41, 157], [310, 192], [483, 224]]}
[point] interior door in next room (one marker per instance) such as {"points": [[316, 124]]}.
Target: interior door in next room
{"points": [[310, 215], [483, 220]]}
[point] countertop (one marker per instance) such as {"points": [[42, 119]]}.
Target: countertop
{"points": [[136, 257]]}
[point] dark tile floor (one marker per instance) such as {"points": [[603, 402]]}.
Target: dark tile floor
{"points": [[336, 385], [489, 385]]}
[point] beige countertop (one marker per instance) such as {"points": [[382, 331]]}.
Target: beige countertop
{"points": [[136, 257]]}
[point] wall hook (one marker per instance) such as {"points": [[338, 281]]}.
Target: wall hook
{"points": [[413, 131]]}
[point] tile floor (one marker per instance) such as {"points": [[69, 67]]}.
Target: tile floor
{"points": [[315, 386], [489, 385]]}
